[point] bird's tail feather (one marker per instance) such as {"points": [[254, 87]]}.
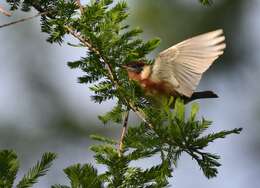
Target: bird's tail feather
{"points": [[201, 95]]}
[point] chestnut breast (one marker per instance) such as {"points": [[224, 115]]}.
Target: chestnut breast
{"points": [[152, 87], [157, 88]]}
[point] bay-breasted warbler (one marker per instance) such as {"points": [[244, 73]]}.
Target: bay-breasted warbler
{"points": [[177, 70]]}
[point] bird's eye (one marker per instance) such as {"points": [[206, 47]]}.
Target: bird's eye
{"points": [[136, 66]]}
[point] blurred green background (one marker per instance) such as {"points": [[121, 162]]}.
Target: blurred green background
{"points": [[43, 108]]}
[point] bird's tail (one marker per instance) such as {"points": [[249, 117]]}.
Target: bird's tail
{"points": [[202, 95]]}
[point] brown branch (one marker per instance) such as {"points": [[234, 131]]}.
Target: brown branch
{"points": [[90, 47], [82, 40], [23, 19], [123, 133], [81, 8], [4, 12]]}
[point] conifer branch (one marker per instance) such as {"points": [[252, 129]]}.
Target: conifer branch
{"points": [[81, 8], [95, 50], [123, 133], [111, 75], [40, 169], [82, 40], [23, 19], [140, 113]]}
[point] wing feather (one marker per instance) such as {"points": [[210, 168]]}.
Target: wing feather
{"points": [[183, 64]]}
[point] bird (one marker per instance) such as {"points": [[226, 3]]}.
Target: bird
{"points": [[178, 70]]}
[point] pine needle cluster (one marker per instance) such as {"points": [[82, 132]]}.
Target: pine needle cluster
{"points": [[9, 166]]}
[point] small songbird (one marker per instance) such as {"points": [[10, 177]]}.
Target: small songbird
{"points": [[177, 70]]}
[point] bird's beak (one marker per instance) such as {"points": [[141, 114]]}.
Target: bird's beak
{"points": [[131, 69], [124, 66], [127, 67]]}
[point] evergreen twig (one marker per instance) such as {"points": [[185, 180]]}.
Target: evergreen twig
{"points": [[123, 133], [40, 169], [88, 44], [81, 8], [23, 19]]}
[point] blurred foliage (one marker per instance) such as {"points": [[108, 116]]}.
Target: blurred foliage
{"points": [[111, 43], [206, 2], [175, 21]]}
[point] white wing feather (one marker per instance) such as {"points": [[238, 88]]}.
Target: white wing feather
{"points": [[183, 64]]}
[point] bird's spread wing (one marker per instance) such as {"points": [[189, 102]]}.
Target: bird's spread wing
{"points": [[183, 64]]}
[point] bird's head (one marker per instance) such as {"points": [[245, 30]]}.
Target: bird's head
{"points": [[135, 67], [138, 70]]}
